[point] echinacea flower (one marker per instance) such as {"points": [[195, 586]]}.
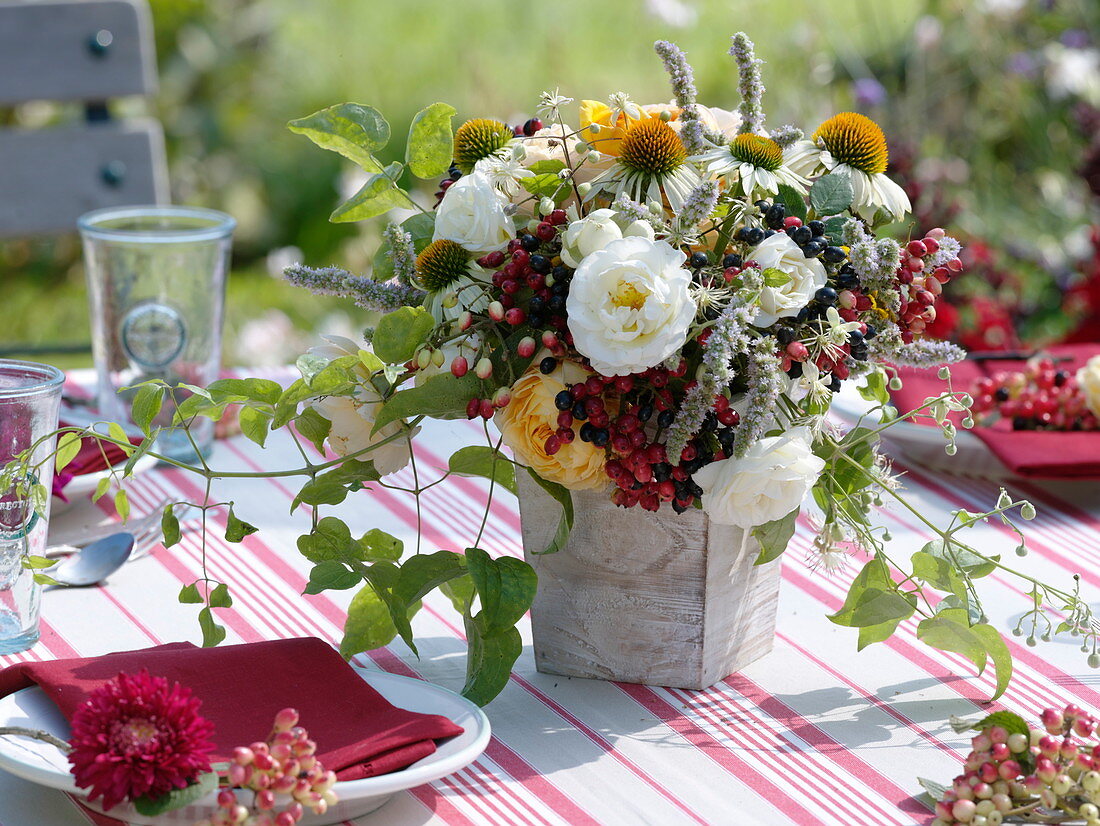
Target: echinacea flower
{"points": [[478, 139], [137, 737], [752, 163], [853, 145], [652, 166]]}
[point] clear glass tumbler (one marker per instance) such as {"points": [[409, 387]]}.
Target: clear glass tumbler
{"points": [[156, 286], [29, 398]]}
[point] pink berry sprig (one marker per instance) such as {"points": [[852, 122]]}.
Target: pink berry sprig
{"points": [[285, 775], [1039, 397], [1051, 774], [920, 284]]}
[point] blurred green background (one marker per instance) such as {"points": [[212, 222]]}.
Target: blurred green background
{"points": [[991, 108]]}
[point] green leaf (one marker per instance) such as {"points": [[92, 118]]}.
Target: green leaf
{"points": [[115, 431], [481, 460], [547, 185], [565, 524], [431, 142], [331, 575], [505, 585], [425, 572], [874, 388], [949, 631], [489, 661], [939, 573], [959, 557], [831, 194], [177, 798], [378, 195], [547, 167], [219, 597], [237, 529], [254, 424], [314, 427], [400, 333], [870, 634], [775, 277], [440, 397], [147, 444], [774, 536], [189, 594], [368, 626], [38, 563], [1011, 722], [793, 200], [212, 633], [263, 391], [998, 651], [169, 526], [875, 607], [68, 446], [351, 129], [330, 540], [332, 488], [934, 790], [101, 488], [874, 576], [461, 592], [122, 504], [376, 545], [834, 229]]}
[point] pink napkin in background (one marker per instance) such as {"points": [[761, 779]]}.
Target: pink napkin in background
{"points": [[358, 732], [88, 460], [1037, 454]]}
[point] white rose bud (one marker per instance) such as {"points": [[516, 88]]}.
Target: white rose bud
{"points": [[766, 484], [806, 276], [588, 235], [473, 215]]}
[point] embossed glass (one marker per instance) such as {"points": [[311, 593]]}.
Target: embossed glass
{"points": [[156, 287], [29, 397]]}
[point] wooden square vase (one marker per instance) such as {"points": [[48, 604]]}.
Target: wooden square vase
{"points": [[639, 597]]}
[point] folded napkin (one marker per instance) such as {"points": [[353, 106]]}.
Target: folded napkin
{"points": [[358, 732], [1040, 454], [90, 459]]}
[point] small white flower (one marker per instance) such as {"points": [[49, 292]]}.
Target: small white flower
{"points": [[473, 215], [812, 384], [550, 104], [504, 173], [833, 336], [629, 305], [621, 104], [766, 484], [806, 276]]}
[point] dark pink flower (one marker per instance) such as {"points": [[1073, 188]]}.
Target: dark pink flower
{"points": [[136, 737]]}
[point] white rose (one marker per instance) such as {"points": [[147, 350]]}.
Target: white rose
{"points": [[1088, 377], [807, 276], [472, 214], [629, 306], [766, 484], [588, 235], [353, 417]]}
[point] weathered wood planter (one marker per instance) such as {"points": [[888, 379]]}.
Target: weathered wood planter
{"points": [[646, 598]]}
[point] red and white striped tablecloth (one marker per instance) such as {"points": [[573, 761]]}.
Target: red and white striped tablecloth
{"points": [[815, 733]]}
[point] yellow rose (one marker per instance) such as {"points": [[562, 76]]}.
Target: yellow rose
{"points": [[609, 137], [531, 418]]}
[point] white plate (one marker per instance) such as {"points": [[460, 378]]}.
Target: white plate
{"points": [[41, 763], [921, 444]]}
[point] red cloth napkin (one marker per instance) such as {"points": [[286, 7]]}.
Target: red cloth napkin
{"points": [[88, 460], [358, 732], [1040, 454]]}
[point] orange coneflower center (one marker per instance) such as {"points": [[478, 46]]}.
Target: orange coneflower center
{"points": [[477, 139], [855, 140], [652, 148], [761, 152], [441, 264]]}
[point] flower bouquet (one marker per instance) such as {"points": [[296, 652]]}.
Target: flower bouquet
{"points": [[654, 307]]}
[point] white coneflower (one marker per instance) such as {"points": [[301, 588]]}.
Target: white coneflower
{"points": [[853, 145], [652, 166], [504, 172], [752, 163]]}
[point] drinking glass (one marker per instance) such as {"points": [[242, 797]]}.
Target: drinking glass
{"points": [[29, 398], [156, 287]]}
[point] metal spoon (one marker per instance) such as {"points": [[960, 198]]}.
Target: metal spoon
{"points": [[95, 562]]}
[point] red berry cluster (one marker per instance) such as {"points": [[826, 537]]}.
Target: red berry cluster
{"points": [[1040, 397], [1015, 772], [918, 291]]}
